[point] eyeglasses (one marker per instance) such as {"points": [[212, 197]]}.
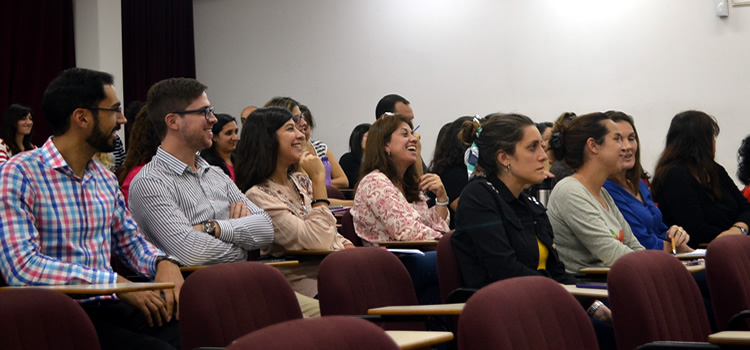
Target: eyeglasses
{"points": [[117, 109], [297, 118], [207, 112]]}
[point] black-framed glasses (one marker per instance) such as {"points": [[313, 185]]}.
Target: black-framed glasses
{"points": [[207, 112], [117, 109]]}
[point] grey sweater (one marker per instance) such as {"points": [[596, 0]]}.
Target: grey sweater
{"points": [[586, 234]]}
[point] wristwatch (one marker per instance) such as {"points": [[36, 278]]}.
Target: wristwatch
{"points": [[742, 229], [210, 228], [168, 258]]}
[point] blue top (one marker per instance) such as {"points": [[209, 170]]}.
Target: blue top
{"points": [[644, 218]]}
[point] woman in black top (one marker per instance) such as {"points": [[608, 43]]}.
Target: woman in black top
{"points": [[500, 231], [693, 191], [448, 162], [352, 160]]}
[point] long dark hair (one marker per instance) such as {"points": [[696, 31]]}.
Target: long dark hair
{"points": [[376, 158], [499, 132], [211, 155], [690, 143], [569, 141], [13, 114], [355, 139], [258, 149], [635, 173], [142, 144], [743, 160], [449, 149]]}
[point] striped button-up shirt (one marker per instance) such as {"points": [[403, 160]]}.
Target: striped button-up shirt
{"points": [[57, 228], [168, 198]]}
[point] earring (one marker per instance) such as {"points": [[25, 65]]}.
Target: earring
{"points": [[507, 168], [388, 153]]}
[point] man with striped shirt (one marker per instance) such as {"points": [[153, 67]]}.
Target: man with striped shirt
{"points": [[185, 206], [63, 216]]}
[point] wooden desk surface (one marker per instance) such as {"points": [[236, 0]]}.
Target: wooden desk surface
{"points": [[269, 263], [99, 289], [605, 270], [586, 292], [418, 339], [730, 338], [437, 309], [407, 244]]}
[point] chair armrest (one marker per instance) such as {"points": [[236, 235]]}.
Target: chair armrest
{"points": [[675, 345], [735, 323], [460, 295]]}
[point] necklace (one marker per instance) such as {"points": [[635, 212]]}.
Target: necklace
{"points": [[304, 211]]}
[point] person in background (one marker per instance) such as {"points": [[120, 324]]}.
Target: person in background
{"points": [[389, 203], [743, 166], [143, 142], [448, 162], [338, 177], [545, 129], [693, 191], [16, 132], [589, 229], [246, 113], [64, 217], [352, 160], [269, 151], [558, 169], [500, 231], [633, 199], [225, 137]]}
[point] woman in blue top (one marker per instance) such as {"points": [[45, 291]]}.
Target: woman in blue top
{"points": [[633, 198]]}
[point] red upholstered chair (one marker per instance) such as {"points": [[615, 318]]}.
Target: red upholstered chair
{"points": [[530, 312], [334, 192], [351, 281], [449, 274], [728, 274], [347, 229], [44, 319], [221, 303], [654, 298], [330, 332]]}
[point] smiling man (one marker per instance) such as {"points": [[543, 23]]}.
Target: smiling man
{"points": [[63, 216], [188, 208]]}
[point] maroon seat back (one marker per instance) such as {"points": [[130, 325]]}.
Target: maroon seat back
{"points": [[221, 303], [351, 281], [654, 298], [43, 319], [728, 274], [449, 274], [334, 193], [330, 332], [530, 312], [347, 229]]}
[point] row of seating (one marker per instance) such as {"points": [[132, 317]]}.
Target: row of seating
{"points": [[652, 296]]}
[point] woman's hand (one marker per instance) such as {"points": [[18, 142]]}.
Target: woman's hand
{"points": [[603, 313], [313, 166], [680, 238], [432, 183]]}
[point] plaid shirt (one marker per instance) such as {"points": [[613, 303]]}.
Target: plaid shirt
{"points": [[57, 228]]}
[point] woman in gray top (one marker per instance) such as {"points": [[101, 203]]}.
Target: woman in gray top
{"points": [[589, 229]]}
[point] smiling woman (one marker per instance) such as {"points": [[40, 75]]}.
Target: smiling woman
{"points": [[16, 132], [225, 137]]}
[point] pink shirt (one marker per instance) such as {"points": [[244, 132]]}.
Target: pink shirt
{"points": [[125, 188], [382, 213]]}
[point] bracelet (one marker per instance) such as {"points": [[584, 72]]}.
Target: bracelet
{"points": [[595, 306], [742, 229], [168, 258], [442, 204], [327, 202]]}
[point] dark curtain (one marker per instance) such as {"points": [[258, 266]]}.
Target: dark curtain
{"points": [[157, 43], [37, 43]]}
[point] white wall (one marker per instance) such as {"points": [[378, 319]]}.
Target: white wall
{"points": [[98, 37], [650, 59]]}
